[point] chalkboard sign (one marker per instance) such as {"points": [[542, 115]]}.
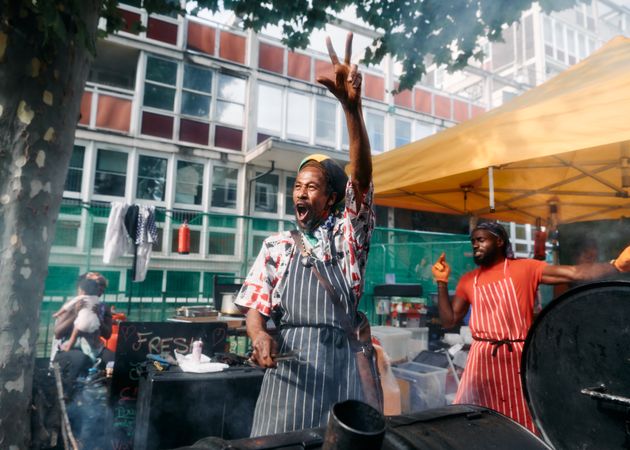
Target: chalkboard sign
{"points": [[135, 341]]}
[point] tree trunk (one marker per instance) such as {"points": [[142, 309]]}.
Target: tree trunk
{"points": [[40, 95]]}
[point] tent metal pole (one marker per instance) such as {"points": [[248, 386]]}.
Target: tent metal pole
{"points": [[491, 187]]}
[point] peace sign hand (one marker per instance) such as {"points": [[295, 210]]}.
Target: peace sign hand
{"points": [[347, 83]]}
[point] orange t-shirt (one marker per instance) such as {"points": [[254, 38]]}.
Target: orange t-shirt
{"points": [[526, 275]]}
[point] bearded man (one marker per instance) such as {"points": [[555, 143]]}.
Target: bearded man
{"points": [[501, 292]]}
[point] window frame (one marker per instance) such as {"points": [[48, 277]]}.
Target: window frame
{"points": [[204, 176], [237, 180], [129, 168], [167, 179]]}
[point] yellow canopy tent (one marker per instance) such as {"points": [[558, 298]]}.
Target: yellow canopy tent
{"points": [[561, 147]]}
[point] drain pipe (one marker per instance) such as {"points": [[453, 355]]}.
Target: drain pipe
{"points": [[248, 214], [250, 184]]}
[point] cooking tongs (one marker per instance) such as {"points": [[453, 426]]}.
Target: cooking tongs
{"points": [[293, 355]]}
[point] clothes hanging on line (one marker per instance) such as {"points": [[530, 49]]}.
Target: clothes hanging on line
{"points": [[146, 236], [131, 229], [117, 241]]}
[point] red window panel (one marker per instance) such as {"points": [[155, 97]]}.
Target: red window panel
{"points": [[162, 31], [442, 106], [324, 69], [271, 58], [225, 137], [193, 131], [476, 110], [86, 108], [260, 137], [113, 113], [157, 125], [423, 101], [131, 21], [232, 47], [201, 37], [374, 86], [403, 98], [460, 110], [299, 66]]}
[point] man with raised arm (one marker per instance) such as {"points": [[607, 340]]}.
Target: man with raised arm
{"points": [[335, 220]]}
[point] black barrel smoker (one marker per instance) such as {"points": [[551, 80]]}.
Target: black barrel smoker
{"points": [[576, 376], [576, 368]]}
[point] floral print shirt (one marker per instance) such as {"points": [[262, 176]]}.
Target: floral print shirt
{"points": [[350, 228]]}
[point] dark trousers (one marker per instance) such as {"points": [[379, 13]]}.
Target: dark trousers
{"points": [[75, 363]]}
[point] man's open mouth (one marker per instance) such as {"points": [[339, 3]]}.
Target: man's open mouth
{"points": [[301, 211]]}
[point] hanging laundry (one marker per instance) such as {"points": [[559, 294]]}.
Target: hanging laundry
{"points": [[131, 229], [146, 235], [117, 241]]}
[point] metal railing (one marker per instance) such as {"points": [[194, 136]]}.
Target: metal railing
{"points": [[175, 280]]}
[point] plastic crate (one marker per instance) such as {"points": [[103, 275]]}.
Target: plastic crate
{"points": [[419, 341], [394, 340], [421, 386]]}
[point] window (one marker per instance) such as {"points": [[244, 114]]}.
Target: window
{"points": [[423, 130], [182, 284], [548, 36], [75, 169], [298, 116], [197, 85], [571, 50], [560, 42], [188, 188], [222, 235], [325, 122], [375, 124], [270, 109], [66, 233], [150, 287], [288, 196], [151, 178], [345, 140], [110, 174], [266, 194], [196, 91], [403, 132], [159, 87], [224, 187], [582, 51], [231, 100]]}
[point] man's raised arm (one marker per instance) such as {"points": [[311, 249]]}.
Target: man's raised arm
{"points": [[347, 88]]}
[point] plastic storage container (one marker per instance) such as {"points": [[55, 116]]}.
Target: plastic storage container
{"points": [[394, 340], [419, 341], [421, 386]]}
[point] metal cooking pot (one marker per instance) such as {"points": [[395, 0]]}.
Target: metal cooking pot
{"points": [[227, 304]]}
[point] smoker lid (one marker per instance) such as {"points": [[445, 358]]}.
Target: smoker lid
{"points": [[581, 341]]}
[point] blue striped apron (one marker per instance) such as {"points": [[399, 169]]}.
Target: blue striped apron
{"points": [[298, 394]]}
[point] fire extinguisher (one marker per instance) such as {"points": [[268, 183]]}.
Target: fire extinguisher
{"points": [[540, 242], [183, 239]]}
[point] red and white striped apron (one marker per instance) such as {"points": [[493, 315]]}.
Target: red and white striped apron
{"points": [[492, 376]]}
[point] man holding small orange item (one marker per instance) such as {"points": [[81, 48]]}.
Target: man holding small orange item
{"points": [[501, 292]]}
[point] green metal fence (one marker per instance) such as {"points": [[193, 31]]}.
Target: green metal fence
{"points": [[221, 245]]}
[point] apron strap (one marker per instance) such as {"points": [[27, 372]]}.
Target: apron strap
{"points": [[334, 295], [498, 343]]}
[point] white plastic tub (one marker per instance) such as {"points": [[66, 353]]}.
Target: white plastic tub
{"points": [[394, 340], [421, 386], [419, 342]]}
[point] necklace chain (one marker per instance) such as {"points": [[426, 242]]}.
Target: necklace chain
{"points": [[307, 252]]}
